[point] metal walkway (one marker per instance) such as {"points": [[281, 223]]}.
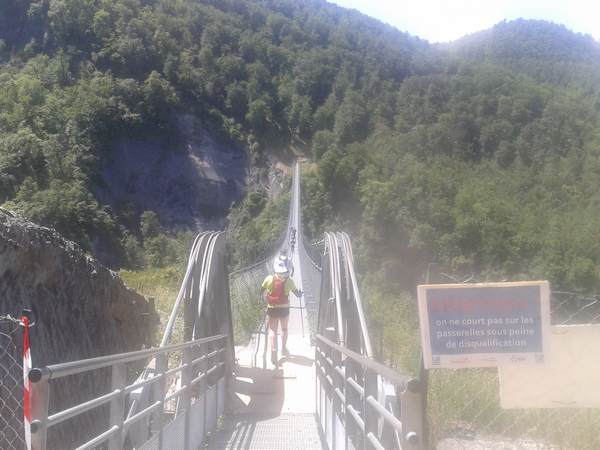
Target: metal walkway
{"points": [[268, 431], [274, 407]]}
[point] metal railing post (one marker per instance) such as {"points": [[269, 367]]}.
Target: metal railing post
{"points": [[203, 384], [424, 380], [352, 402], [159, 391], [319, 395], [33, 347], [117, 405], [328, 396], [412, 418], [40, 398], [336, 390], [185, 401], [370, 415]]}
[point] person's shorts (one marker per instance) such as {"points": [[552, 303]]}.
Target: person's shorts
{"points": [[278, 313]]}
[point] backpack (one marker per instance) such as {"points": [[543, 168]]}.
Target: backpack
{"points": [[278, 297]]}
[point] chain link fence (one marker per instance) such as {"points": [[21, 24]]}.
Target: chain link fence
{"points": [[311, 262], [12, 431], [250, 263], [248, 308], [464, 405]]}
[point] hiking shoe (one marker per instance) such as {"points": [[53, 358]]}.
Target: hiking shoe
{"points": [[274, 357]]}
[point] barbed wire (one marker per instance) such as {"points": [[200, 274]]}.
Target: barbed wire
{"points": [[10, 319]]}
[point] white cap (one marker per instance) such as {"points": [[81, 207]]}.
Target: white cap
{"points": [[280, 266]]}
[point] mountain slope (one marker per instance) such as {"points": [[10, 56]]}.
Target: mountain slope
{"points": [[397, 129], [543, 50]]}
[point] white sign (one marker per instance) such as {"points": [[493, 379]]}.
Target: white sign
{"points": [[485, 325], [571, 381]]}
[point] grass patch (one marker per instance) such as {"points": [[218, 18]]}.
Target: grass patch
{"points": [[164, 286], [470, 399]]}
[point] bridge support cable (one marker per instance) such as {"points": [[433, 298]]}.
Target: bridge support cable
{"points": [[186, 291], [334, 316], [359, 402], [341, 313], [355, 296]]}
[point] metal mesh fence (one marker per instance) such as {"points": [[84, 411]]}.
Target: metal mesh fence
{"points": [[12, 432], [464, 405], [248, 308], [250, 264], [244, 255], [311, 261], [464, 413]]}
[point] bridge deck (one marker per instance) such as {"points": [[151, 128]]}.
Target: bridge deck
{"points": [[274, 407]]}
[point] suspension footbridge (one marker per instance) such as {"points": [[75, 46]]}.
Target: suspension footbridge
{"points": [[325, 392], [211, 383]]}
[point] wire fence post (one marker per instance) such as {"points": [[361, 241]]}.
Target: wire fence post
{"points": [[33, 347], [29, 361], [424, 379]]}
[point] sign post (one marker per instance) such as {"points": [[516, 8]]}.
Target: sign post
{"points": [[485, 325]]}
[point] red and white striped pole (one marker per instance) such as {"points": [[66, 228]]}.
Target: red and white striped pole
{"points": [[26, 391]]}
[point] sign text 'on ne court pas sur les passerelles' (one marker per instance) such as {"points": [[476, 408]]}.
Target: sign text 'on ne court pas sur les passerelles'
{"points": [[485, 325]]}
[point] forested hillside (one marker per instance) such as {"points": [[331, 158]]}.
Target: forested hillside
{"points": [[481, 155]]}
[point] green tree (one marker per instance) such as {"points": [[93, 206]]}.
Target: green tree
{"points": [[323, 140], [68, 207], [160, 252], [351, 119], [149, 225]]}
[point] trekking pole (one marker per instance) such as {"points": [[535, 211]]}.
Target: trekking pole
{"points": [[301, 314]]}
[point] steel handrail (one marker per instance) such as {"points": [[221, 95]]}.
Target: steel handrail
{"points": [[357, 299], [396, 378], [199, 242], [337, 294], [54, 371], [41, 376], [348, 383]]}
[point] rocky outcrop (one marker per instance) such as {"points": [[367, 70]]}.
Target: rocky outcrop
{"points": [[193, 187], [81, 309], [18, 28], [190, 186]]}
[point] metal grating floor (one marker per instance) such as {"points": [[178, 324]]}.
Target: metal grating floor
{"points": [[268, 432]]}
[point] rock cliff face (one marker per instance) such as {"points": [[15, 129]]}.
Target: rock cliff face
{"points": [[82, 310], [190, 188], [16, 28]]}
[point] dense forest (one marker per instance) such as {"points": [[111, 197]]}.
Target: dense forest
{"points": [[481, 156]]}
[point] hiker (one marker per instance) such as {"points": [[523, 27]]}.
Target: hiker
{"points": [[287, 261], [278, 287]]}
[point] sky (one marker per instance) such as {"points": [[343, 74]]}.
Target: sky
{"points": [[449, 20]]}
